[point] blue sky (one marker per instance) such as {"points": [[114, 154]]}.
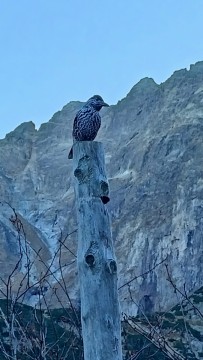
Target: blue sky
{"points": [[55, 51]]}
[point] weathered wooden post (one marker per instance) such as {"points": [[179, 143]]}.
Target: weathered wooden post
{"points": [[97, 269]]}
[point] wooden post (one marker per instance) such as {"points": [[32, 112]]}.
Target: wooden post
{"points": [[97, 268]]}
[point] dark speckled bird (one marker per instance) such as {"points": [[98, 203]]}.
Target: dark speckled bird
{"points": [[87, 121]]}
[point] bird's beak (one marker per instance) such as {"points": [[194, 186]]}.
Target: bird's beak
{"points": [[105, 104]]}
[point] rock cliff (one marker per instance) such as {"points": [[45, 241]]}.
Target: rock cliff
{"points": [[153, 141]]}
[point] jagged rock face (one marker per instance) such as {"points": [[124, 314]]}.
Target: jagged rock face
{"points": [[154, 151]]}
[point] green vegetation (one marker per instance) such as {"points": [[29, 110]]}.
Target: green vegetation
{"points": [[58, 325], [63, 339]]}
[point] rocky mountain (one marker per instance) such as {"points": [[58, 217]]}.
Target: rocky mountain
{"points": [[153, 141]]}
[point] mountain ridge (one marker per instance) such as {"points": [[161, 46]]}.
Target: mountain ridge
{"points": [[153, 147]]}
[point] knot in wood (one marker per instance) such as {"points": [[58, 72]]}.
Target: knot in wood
{"points": [[104, 188], [83, 171], [111, 266]]}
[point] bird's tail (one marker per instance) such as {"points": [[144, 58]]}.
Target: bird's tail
{"points": [[70, 155]]}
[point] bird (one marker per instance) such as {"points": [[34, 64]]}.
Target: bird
{"points": [[87, 121]]}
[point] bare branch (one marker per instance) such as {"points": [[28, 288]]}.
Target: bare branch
{"points": [[143, 274]]}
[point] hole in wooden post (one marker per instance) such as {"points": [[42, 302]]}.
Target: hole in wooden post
{"points": [[105, 199], [90, 260]]}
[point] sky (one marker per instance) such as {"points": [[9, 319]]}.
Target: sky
{"points": [[56, 51]]}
